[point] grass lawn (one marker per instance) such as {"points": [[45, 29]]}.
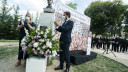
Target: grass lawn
{"points": [[9, 40], [7, 52], [100, 64]]}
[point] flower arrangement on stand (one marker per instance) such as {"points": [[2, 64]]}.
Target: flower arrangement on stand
{"points": [[40, 43]]}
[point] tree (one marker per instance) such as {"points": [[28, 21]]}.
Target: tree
{"points": [[8, 21], [15, 32], [74, 6], [98, 18], [126, 21], [105, 14]]}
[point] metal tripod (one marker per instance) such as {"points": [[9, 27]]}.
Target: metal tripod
{"points": [[106, 50]]}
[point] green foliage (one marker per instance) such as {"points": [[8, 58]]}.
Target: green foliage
{"points": [[74, 6], [126, 21], [104, 14], [51, 61], [8, 22]]}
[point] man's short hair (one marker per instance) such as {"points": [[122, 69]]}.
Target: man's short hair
{"points": [[67, 13]]}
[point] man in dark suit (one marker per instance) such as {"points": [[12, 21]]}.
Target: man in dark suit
{"points": [[108, 44], [65, 38], [117, 43], [126, 45], [97, 42], [113, 44], [123, 45], [104, 43]]}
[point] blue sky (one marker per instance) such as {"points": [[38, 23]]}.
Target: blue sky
{"points": [[34, 6]]}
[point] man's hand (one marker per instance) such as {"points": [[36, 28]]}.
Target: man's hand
{"points": [[56, 23]]}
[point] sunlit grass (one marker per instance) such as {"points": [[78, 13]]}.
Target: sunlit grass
{"points": [[7, 52], [100, 64], [9, 40]]}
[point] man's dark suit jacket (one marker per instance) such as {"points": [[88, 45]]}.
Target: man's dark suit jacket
{"points": [[66, 30], [117, 40]]}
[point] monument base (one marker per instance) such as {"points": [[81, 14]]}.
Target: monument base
{"points": [[49, 10], [78, 57], [46, 19], [35, 64]]}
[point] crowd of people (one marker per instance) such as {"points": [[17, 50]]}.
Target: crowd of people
{"points": [[115, 44]]}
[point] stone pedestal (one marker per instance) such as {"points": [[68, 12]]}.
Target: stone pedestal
{"points": [[35, 64], [46, 19], [89, 46]]}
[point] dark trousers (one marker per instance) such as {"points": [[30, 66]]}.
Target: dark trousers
{"points": [[126, 47], [117, 47], [98, 45], [64, 54], [108, 46], [104, 45], [113, 45], [93, 44], [122, 48], [21, 54]]}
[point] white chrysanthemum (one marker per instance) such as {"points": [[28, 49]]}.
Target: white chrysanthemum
{"points": [[45, 36], [55, 37], [38, 33], [38, 48], [49, 44], [41, 40], [43, 47], [54, 53], [22, 43], [23, 40], [42, 32], [48, 40], [47, 31], [26, 31], [35, 44]]}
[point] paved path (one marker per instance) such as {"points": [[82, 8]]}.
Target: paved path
{"points": [[9, 43], [8, 65], [120, 57]]}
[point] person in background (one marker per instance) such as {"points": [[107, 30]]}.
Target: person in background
{"points": [[100, 42], [97, 42], [123, 45], [113, 43], [126, 45], [108, 44], [29, 25], [104, 43], [117, 43], [92, 43]]}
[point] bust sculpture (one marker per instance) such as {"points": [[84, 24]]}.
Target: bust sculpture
{"points": [[49, 9]]}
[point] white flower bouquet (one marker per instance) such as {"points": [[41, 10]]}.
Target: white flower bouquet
{"points": [[40, 43]]}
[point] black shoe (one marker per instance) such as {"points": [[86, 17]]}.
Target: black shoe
{"points": [[58, 68], [67, 70]]}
